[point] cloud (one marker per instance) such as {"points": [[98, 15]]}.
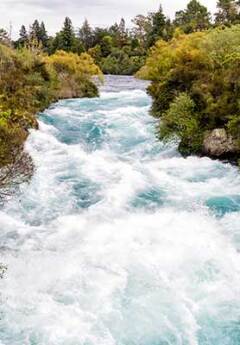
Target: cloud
{"points": [[53, 4]]}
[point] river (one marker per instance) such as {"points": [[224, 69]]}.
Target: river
{"points": [[118, 240]]}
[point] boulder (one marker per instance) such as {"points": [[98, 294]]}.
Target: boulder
{"points": [[218, 143]]}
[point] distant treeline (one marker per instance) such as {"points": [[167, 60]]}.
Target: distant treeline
{"points": [[119, 50]]}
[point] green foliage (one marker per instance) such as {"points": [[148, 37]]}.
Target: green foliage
{"points": [[106, 46], [195, 18], [141, 30], [120, 63], [23, 37], [4, 37], [3, 270], [115, 47], [233, 126], [158, 27], [74, 74], [86, 35], [228, 12], [67, 36], [182, 120], [66, 39], [203, 68]]}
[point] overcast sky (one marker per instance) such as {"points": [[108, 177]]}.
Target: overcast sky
{"points": [[98, 12]]}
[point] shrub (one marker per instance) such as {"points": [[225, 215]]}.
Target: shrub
{"points": [[182, 120], [74, 74], [29, 82], [203, 67]]}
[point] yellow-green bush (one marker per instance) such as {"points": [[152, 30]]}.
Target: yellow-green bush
{"points": [[82, 65], [74, 74], [29, 82]]}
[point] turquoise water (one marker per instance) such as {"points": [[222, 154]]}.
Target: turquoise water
{"points": [[118, 240]]}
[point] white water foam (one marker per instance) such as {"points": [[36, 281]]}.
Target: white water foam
{"points": [[118, 240]]}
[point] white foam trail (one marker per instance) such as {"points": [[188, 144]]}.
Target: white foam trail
{"points": [[113, 242]]}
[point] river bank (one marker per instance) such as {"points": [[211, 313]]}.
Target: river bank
{"points": [[30, 82]]}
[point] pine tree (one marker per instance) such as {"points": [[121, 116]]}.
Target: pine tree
{"points": [[228, 12], [67, 36], [122, 33], [158, 26], [43, 36], [86, 35], [122, 26], [35, 31], [23, 36]]}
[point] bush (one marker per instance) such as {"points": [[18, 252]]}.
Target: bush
{"points": [[182, 120], [74, 74], [121, 62], [29, 82], [203, 67]]}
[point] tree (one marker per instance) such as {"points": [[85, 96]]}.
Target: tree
{"points": [[23, 36], [96, 53], [35, 31], [38, 35], [4, 37], [122, 33], [228, 12], [67, 36], [106, 45], [158, 26], [196, 17], [43, 36], [66, 40], [142, 28], [86, 35], [99, 33]]}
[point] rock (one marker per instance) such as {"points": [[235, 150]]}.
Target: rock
{"points": [[218, 143]]}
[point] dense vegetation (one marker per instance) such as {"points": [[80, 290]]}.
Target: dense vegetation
{"points": [[116, 49], [196, 85]]}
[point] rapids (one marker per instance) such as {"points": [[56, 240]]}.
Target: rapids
{"points": [[118, 240]]}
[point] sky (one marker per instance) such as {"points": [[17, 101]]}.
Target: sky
{"points": [[14, 13]]}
